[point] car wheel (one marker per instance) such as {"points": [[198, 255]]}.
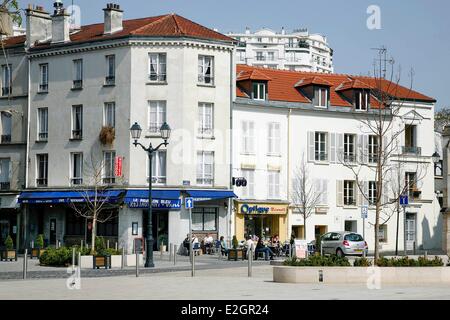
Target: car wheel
{"points": [[340, 253]]}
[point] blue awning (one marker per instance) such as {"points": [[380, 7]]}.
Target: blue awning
{"points": [[161, 199], [54, 197], [207, 195]]}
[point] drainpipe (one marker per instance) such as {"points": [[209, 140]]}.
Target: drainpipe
{"points": [[232, 94], [25, 208], [289, 173]]}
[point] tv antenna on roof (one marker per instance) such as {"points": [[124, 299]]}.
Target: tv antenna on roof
{"points": [[382, 60]]}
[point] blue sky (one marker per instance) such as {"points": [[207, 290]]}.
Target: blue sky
{"points": [[414, 31]]}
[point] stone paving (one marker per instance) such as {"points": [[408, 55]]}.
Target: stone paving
{"points": [[230, 283]]}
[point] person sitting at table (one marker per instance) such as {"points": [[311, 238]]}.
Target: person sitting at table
{"points": [[223, 246], [208, 242], [260, 247], [186, 244]]}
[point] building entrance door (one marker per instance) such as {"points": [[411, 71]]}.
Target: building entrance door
{"points": [[52, 231], [4, 231], [410, 230]]}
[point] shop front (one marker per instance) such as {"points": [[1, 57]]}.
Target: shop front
{"points": [[9, 219], [263, 219]]}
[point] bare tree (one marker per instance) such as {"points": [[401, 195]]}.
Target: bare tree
{"points": [[385, 122], [95, 200], [305, 196]]}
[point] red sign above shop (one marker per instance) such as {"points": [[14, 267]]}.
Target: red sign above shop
{"points": [[118, 167]]}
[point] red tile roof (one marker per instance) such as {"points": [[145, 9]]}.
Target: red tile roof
{"points": [[252, 75], [312, 80], [169, 25], [352, 84], [282, 86]]}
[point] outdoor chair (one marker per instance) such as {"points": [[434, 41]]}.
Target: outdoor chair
{"points": [[196, 249]]}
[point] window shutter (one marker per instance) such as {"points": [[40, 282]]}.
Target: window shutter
{"points": [[359, 194], [360, 148], [366, 193], [14, 174], [325, 192], [311, 147], [339, 193], [385, 196], [332, 147], [365, 148], [251, 133], [340, 155], [244, 135]]}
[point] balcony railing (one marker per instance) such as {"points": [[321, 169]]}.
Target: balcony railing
{"points": [[5, 186], [206, 79], [6, 138], [157, 77], [77, 134], [43, 88], [412, 150], [110, 80], [77, 84], [77, 181], [109, 180], [42, 182], [6, 91], [43, 136]]}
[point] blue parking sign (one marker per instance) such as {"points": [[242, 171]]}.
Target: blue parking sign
{"points": [[404, 201], [364, 212]]}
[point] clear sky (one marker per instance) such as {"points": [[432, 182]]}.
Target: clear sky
{"points": [[415, 32]]}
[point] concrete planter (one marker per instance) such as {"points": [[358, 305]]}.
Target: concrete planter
{"points": [[362, 275], [116, 261], [130, 260], [86, 262]]}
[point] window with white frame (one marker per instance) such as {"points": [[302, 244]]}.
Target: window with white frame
{"points": [[77, 168], [109, 114], [321, 188], [248, 191], [259, 56], [204, 219], [158, 167], [6, 79], [41, 170], [6, 122], [349, 148], [5, 174], [109, 158], [372, 196], [77, 122], [77, 74], [321, 97], [248, 137], [43, 77], [411, 184], [373, 149], [321, 146], [349, 193], [42, 124], [110, 78], [157, 115], [274, 138], [205, 168], [259, 91], [158, 67], [270, 56], [274, 185], [362, 99], [206, 69], [205, 118]]}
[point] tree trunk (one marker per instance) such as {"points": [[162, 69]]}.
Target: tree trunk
{"points": [[304, 229], [94, 232]]}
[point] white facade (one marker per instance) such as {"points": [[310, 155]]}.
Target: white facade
{"points": [[301, 121], [299, 50]]}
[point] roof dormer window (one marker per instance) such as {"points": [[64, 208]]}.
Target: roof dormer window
{"points": [[321, 95], [362, 100], [259, 91]]}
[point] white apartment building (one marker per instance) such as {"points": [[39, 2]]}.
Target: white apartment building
{"points": [[317, 117], [100, 80], [299, 50]]}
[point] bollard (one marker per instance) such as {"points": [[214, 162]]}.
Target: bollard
{"points": [[321, 249], [414, 248], [174, 254], [25, 264], [426, 255], [250, 262], [193, 265], [123, 259], [81, 245], [116, 247], [32, 244], [170, 251], [73, 259], [320, 275], [79, 261], [107, 244], [137, 264], [161, 250]]}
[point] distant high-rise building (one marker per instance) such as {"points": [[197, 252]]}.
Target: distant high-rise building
{"points": [[299, 50]]}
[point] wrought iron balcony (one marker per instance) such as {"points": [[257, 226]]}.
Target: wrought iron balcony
{"points": [[6, 91], [42, 182], [6, 138], [5, 186], [110, 80], [412, 150], [43, 88], [77, 84]]}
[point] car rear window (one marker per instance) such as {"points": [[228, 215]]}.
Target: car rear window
{"points": [[353, 237]]}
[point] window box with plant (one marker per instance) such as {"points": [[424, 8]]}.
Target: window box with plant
{"points": [[39, 249], [9, 253]]}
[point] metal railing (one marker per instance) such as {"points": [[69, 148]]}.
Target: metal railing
{"points": [[77, 134], [158, 77], [6, 138], [110, 80], [6, 91], [43, 88], [43, 136], [42, 182], [5, 185], [412, 150], [77, 84]]}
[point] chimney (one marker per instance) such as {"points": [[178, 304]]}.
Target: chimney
{"points": [[113, 18], [39, 25], [60, 24], [247, 30], [283, 32]]}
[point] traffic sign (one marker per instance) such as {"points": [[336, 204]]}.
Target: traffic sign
{"points": [[189, 203], [364, 212], [404, 200]]}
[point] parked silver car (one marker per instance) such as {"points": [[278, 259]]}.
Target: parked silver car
{"points": [[344, 243]]}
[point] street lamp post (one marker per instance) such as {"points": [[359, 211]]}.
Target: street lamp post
{"points": [[136, 131]]}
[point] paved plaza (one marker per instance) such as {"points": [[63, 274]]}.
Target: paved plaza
{"points": [[227, 283]]}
